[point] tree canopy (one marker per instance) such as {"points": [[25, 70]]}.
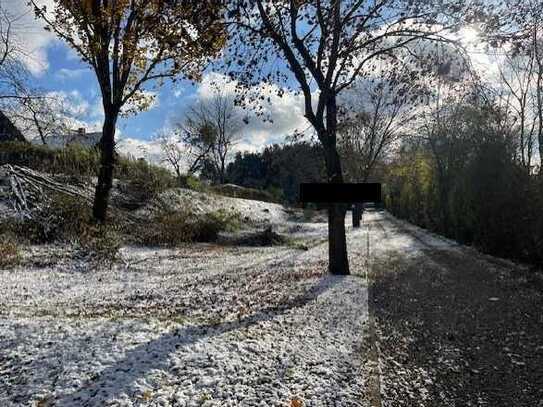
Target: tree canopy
{"points": [[131, 45]]}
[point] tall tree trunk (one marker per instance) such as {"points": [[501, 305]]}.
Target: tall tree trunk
{"points": [[222, 171], [338, 262], [107, 163], [337, 242]]}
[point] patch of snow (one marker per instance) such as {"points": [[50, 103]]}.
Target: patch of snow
{"points": [[201, 202]]}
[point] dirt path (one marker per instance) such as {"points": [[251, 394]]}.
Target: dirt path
{"points": [[454, 327]]}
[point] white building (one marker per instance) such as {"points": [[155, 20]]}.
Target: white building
{"points": [[75, 137]]}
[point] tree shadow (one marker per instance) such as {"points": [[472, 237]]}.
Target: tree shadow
{"points": [[155, 354]]}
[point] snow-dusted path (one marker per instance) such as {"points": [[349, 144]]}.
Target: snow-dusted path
{"points": [[200, 325]]}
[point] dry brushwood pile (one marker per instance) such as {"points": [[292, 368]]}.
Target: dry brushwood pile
{"points": [[27, 192]]}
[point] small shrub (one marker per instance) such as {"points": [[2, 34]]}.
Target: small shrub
{"points": [[73, 222], [209, 226], [266, 237], [9, 252], [148, 179], [67, 219], [64, 218], [191, 182], [103, 241], [71, 217]]}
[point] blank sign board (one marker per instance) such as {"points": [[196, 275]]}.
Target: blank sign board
{"points": [[340, 193]]}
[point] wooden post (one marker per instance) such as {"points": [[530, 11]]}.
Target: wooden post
{"points": [[356, 215]]}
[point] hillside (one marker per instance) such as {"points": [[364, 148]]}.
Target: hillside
{"points": [[22, 189]]}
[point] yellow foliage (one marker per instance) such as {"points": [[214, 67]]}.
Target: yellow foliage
{"points": [[147, 395], [129, 43]]}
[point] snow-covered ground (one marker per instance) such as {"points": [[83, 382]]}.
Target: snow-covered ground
{"points": [[226, 325], [200, 325]]}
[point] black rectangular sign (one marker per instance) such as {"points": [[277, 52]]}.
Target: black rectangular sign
{"points": [[340, 193]]}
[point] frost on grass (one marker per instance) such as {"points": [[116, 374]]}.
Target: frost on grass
{"points": [[197, 325]]}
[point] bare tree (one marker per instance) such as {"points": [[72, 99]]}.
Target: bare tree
{"points": [[14, 76], [210, 130], [172, 153], [380, 114], [520, 28], [517, 74], [44, 115], [537, 45]]}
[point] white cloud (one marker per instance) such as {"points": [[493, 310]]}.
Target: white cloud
{"points": [[69, 74], [73, 103], [76, 110], [29, 34], [97, 109], [136, 148], [283, 115]]}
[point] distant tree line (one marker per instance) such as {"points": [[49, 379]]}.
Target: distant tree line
{"points": [[463, 179], [278, 169]]}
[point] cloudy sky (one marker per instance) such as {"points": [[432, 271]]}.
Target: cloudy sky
{"points": [[57, 68]]}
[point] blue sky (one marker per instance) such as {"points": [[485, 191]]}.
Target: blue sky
{"points": [[61, 70], [56, 68], [67, 73]]}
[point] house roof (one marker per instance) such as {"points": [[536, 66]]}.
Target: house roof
{"points": [[8, 131]]}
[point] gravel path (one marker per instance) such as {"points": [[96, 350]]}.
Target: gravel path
{"points": [[200, 325], [454, 327]]}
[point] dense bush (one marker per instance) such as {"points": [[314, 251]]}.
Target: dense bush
{"points": [[78, 161], [66, 219], [150, 179], [172, 228], [468, 186], [74, 160]]}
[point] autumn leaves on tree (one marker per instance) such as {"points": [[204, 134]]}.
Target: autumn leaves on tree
{"points": [[133, 46]]}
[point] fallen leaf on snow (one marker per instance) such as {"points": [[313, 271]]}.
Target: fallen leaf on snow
{"points": [[296, 402]]}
